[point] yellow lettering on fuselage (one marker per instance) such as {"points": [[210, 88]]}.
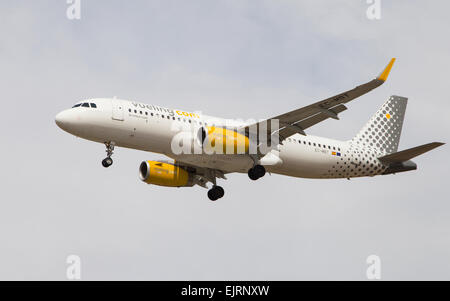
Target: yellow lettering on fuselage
{"points": [[187, 114]]}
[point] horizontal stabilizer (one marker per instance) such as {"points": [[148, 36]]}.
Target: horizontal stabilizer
{"points": [[408, 154]]}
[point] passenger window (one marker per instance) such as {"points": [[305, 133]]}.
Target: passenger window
{"points": [[151, 114], [162, 116], [146, 113], [93, 105], [168, 117], [86, 105], [129, 110], [135, 111], [140, 112]]}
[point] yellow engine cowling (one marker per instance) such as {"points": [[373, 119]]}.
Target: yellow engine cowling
{"points": [[223, 141], [164, 174]]}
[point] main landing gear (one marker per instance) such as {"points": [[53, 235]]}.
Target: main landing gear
{"points": [[107, 162], [215, 193], [211, 175], [256, 172]]}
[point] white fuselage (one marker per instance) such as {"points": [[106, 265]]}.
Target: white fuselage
{"points": [[152, 128]]}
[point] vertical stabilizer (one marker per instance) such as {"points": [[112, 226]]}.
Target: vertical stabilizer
{"points": [[383, 130]]}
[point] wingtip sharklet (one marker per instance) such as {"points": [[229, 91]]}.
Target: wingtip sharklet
{"points": [[384, 75]]}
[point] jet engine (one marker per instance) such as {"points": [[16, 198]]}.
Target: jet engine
{"points": [[222, 141], [164, 174]]}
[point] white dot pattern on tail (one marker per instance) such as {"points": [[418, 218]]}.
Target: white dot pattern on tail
{"points": [[380, 136], [382, 132]]}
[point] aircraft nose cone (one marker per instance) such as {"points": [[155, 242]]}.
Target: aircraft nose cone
{"points": [[64, 119], [60, 119]]}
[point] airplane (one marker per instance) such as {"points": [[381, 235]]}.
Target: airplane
{"points": [[213, 147]]}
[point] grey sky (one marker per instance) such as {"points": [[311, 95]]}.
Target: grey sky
{"points": [[242, 59]]}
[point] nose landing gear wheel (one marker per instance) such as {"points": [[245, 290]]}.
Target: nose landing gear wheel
{"points": [[107, 162], [216, 193]]}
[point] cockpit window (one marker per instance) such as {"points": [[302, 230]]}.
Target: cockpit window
{"points": [[86, 105]]}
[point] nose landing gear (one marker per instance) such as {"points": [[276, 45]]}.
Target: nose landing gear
{"points": [[256, 172], [107, 162]]}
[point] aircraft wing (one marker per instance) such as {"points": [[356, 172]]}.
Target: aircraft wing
{"points": [[297, 121]]}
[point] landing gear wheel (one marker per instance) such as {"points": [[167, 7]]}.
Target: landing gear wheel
{"points": [[256, 172], [212, 195], [252, 174], [259, 170], [220, 191], [107, 162], [216, 193]]}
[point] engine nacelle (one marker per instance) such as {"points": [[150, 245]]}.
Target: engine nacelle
{"points": [[223, 141], [164, 174]]}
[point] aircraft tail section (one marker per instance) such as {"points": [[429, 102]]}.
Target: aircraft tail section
{"points": [[383, 130]]}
